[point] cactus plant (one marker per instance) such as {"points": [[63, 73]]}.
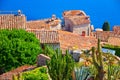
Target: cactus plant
{"points": [[60, 66], [98, 62]]}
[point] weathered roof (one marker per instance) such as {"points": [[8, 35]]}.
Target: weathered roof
{"points": [[114, 41], [103, 35], [116, 29], [9, 75], [66, 39], [42, 24], [69, 40], [38, 24], [46, 36], [74, 13], [11, 21], [78, 20]]}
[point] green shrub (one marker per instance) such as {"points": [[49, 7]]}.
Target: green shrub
{"points": [[116, 48], [17, 47], [36, 74]]}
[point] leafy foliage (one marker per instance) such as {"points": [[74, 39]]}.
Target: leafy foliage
{"points": [[36, 74], [39, 73], [49, 51], [60, 66], [106, 26], [17, 47]]}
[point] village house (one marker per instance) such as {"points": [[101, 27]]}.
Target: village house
{"points": [[77, 21], [49, 32]]}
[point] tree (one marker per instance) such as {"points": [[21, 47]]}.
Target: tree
{"points": [[17, 47], [60, 66], [106, 26]]}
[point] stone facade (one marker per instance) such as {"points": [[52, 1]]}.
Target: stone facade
{"points": [[41, 60], [83, 30]]}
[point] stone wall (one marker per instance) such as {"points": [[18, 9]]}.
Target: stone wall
{"points": [[12, 21], [82, 28], [41, 60], [68, 25]]}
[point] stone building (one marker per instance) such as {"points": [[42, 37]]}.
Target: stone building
{"points": [[10, 21], [77, 21]]}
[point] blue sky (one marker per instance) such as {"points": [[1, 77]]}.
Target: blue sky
{"points": [[98, 10]]}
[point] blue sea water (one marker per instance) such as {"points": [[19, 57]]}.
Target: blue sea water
{"points": [[98, 10]]}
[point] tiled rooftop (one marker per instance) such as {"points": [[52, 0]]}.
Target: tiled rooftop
{"points": [[42, 24], [103, 35], [10, 21], [74, 13], [8, 75], [70, 40], [39, 24], [66, 39], [114, 41], [78, 20], [77, 17], [45, 36]]}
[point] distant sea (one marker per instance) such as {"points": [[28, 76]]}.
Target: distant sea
{"points": [[98, 10]]}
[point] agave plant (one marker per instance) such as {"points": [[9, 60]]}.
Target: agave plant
{"points": [[82, 73]]}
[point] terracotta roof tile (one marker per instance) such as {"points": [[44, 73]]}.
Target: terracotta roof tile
{"points": [[114, 41], [68, 40], [116, 29], [45, 36], [74, 13], [8, 75], [39, 24], [42, 24], [103, 35], [78, 20]]}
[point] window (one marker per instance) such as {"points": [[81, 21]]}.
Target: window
{"points": [[83, 33]]}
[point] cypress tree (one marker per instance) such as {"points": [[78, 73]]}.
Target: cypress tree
{"points": [[106, 26]]}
